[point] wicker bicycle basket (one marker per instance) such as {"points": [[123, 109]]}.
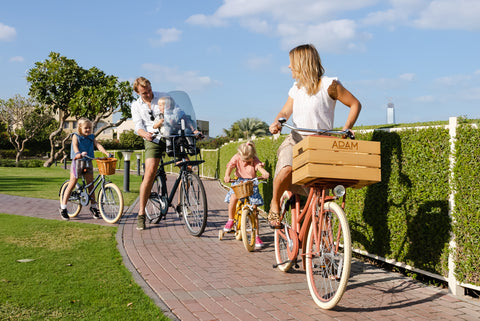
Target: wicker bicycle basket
{"points": [[106, 166], [244, 189]]}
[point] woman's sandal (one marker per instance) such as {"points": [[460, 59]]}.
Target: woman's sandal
{"points": [[274, 220]]}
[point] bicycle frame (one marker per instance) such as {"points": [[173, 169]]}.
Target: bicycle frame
{"points": [[99, 179], [183, 169], [303, 218]]}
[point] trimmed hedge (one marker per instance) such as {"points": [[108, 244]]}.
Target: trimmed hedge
{"points": [[406, 216], [466, 226]]}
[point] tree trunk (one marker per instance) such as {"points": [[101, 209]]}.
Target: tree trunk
{"points": [[49, 162]]}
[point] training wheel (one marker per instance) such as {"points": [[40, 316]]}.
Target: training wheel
{"points": [[220, 234], [238, 235]]}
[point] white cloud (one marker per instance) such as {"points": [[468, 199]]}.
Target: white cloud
{"points": [[295, 22], [332, 36], [448, 14], [255, 63], [453, 80], [7, 33], [335, 26], [425, 99], [183, 80], [407, 76], [166, 36], [206, 21], [17, 59], [428, 14]]}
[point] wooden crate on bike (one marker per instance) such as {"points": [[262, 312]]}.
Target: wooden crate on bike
{"points": [[354, 163]]}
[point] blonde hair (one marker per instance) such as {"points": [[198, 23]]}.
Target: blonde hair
{"points": [[81, 122], [169, 102], [141, 81], [307, 67], [247, 150]]}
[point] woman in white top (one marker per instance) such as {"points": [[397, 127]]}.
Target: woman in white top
{"points": [[311, 103]]}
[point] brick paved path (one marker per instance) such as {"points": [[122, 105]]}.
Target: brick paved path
{"points": [[203, 278]]}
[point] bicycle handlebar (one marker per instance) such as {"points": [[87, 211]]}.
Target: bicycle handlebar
{"points": [[256, 180], [347, 132], [93, 158]]}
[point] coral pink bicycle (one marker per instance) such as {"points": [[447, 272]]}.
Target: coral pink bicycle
{"points": [[318, 235]]}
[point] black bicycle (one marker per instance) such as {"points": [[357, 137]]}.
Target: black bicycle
{"points": [[192, 203]]}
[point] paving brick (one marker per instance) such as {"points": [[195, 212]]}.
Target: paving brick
{"points": [[203, 278]]}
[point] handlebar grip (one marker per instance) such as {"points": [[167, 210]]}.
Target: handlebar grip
{"points": [[350, 134]]}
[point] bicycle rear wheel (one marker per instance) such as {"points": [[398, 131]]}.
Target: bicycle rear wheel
{"points": [[328, 256], [285, 240], [110, 201], [249, 229], [153, 208], [73, 205], [194, 203]]}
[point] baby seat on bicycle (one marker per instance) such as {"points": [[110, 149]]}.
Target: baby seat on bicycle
{"points": [[181, 146]]}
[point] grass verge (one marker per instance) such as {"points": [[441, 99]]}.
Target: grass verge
{"points": [[44, 182], [55, 270]]}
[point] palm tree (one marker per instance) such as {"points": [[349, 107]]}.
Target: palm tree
{"points": [[246, 128]]}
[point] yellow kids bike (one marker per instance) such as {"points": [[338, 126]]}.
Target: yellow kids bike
{"points": [[245, 224]]}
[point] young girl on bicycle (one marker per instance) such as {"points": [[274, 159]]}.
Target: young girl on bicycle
{"points": [[246, 164], [82, 145]]}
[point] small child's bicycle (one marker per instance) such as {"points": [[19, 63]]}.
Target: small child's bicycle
{"points": [[110, 198], [245, 218]]}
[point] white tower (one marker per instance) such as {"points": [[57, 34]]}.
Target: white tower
{"points": [[390, 113]]}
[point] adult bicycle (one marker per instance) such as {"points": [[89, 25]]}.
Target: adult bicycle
{"points": [[317, 234], [245, 224], [192, 204], [109, 199]]}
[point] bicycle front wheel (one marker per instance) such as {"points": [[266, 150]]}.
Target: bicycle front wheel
{"points": [[249, 229], [73, 204], [194, 203], [153, 208], [329, 255], [110, 201]]}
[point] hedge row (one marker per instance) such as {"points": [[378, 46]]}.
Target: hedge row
{"points": [[466, 216], [406, 216]]}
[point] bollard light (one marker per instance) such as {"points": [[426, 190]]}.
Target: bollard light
{"points": [[138, 163], [126, 172]]}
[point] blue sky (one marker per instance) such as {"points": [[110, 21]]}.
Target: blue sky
{"points": [[231, 56]]}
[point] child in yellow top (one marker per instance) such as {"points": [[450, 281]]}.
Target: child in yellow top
{"points": [[246, 164]]}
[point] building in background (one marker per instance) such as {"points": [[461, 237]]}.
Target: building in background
{"points": [[70, 126]]}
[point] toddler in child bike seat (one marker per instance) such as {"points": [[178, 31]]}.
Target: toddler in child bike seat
{"points": [[82, 145], [246, 164]]}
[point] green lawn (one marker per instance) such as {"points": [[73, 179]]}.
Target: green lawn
{"points": [[57, 270]]}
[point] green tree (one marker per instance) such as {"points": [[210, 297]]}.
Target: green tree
{"points": [[72, 91], [246, 128], [130, 140], [24, 119]]}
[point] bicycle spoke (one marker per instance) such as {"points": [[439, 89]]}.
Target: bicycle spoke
{"points": [[328, 256], [111, 203], [155, 203], [194, 204]]}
